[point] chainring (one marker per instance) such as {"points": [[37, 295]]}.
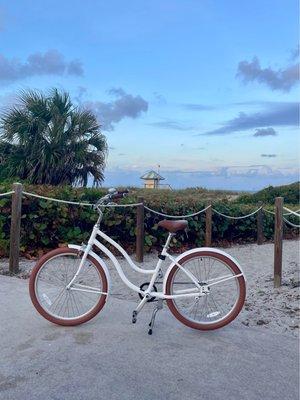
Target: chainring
{"points": [[144, 287]]}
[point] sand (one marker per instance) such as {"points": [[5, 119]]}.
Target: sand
{"points": [[265, 307]]}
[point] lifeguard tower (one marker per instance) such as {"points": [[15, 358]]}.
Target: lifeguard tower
{"points": [[151, 180]]}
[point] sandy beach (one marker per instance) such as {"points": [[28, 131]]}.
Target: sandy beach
{"points": [[265, 307]]}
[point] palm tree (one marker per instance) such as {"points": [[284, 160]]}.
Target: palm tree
{"points": [[46, 140]]}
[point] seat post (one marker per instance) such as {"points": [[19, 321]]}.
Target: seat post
{"points": [[166, 246]]}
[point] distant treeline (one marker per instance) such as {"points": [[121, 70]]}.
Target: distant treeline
{"points": [[290, 193]]}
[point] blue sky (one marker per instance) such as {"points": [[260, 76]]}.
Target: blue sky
{"points": [[205, 89]]}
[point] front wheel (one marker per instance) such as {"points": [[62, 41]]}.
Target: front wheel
{"points": [[222, 295], [67, 306]]}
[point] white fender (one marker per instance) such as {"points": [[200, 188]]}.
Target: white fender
{"points": [[100, 261], [196, 250]]}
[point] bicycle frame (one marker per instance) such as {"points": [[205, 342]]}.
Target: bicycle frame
{"points": [[199, 290]]}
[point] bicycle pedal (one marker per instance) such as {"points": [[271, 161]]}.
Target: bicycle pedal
{"points": [[134, 317]]}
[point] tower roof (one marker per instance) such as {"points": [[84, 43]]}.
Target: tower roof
{"points": [[152, 175]]}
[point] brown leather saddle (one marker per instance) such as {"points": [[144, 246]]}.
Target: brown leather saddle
{"points": [[173, 226]]}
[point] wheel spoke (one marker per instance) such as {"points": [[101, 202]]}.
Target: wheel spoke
{"points": [[52, 279], [215, 303], [76, 306], [57, 297]]}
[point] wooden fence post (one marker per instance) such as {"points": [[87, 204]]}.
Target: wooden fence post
{"points": [[260, 226], [208, 226], [140, 231], [278, 235], [15, 225]]}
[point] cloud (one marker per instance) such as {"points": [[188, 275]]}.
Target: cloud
{"points": [[74, 68], [118, 92], [281, 114], [222, 106], [171, 124], [268, 155], [198, 107], [295, 53], [124, 106], [265, 132], [231, 171], [281, 79], [159, 99], [81, 93], [52, 62], [249, 177]]}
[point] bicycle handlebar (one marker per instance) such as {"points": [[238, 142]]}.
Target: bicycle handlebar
{"points": [[119, 195], [112, 196]]}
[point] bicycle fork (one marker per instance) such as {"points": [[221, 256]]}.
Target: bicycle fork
{"points": [[84, 256]]}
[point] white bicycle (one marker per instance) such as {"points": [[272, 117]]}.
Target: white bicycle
{"points": [[204, 287]]}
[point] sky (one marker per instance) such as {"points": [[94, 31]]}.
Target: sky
{"points": [[205, 91]]}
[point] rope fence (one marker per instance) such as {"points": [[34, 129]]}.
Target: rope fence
{"points": [[84, 204], [279, 219], [177, 216], [290, 223], [78, 203], [288, 213], [268, 211], [57, 200], [241, 217], [291, 212], [7, 193]]}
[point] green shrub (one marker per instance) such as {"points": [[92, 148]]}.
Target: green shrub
{"points": [[290, 193], [46, 224]]}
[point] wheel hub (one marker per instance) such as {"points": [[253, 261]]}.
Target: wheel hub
{"points": [[205, 289]]}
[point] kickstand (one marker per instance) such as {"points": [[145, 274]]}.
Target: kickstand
{"points": [[158, 307]]}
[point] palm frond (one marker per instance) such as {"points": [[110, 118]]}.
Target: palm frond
{"points": [[50, 141]]}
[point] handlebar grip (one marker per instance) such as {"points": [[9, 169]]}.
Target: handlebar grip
{"points": [[120, 194], [117, 196]]}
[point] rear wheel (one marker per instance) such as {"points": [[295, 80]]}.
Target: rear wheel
{"points": [[48, 287], [224, 294]]}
